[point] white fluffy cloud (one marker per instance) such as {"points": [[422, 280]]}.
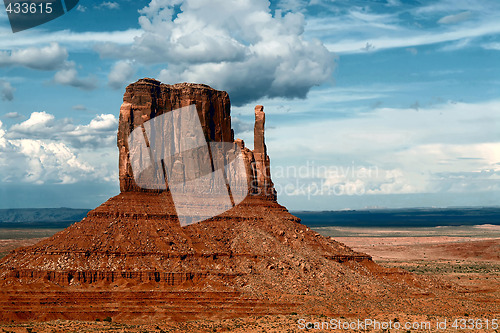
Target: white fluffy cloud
{"points": [[120, 74], [100, 132], [47, 58], [238, 46], [42, 58], [46, 162], [44, 149], [68, 76], [38, 123]]}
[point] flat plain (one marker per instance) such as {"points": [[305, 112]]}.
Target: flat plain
{"points": [[12, 238], [466, 255]]}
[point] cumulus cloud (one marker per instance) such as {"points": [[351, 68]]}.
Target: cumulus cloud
{"points": [[100, 132], [39, 124], [349, 179], [6, 90], [239, 47], [68, 76], [422, 169], [467, 182], [44, 162], [395, 181], [44, 58], [372, 180], [108, 5], [48, 58], [120, 74], [44, 149], [52, 57]]}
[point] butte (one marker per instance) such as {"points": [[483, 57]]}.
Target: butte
{"points": [[130, 258]]}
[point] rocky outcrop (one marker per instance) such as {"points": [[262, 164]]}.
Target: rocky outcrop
{"points": [[148, 99], [130, 256]]}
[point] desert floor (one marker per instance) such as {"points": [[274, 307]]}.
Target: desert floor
{"points": [[465, 255]]}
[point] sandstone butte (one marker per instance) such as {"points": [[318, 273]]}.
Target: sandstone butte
{"points": [[130, 259]]}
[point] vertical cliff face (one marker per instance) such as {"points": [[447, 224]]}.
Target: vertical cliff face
{"points": [[148, 99]]}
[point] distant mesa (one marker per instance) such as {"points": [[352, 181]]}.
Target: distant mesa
{"points": [[132, 259]]}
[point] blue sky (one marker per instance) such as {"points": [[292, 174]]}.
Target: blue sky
{"points": [[368, 103]]}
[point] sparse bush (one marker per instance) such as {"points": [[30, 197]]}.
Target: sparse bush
{"points": [[108, 319]]}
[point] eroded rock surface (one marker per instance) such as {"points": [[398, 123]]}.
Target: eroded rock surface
{"points": [[148, 99]]}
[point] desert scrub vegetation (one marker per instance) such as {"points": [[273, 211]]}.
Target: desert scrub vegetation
{"points": [[434, 267]]}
